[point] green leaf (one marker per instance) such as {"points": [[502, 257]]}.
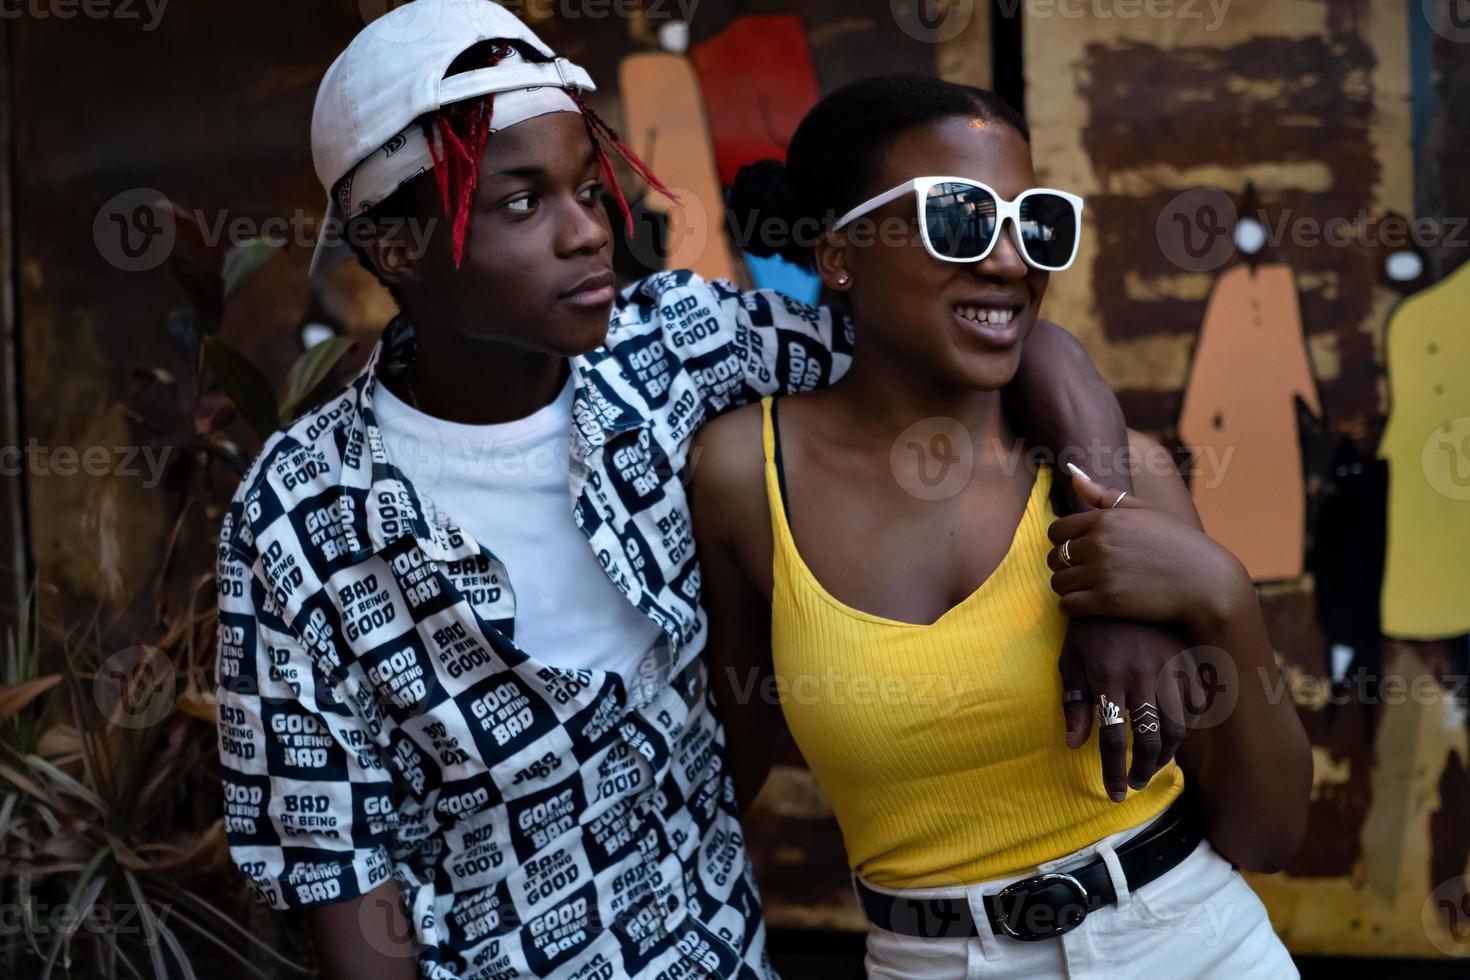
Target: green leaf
{"points": [[85, 878], [175, 947], [197, 265], [64, 782], [151, 938], [309, 370], [82, 902], [115, 949], [242, 261], [6, 809], [183, 330], [245, 384]]}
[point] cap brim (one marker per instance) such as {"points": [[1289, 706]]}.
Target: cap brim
{"points": [[331, 241]]}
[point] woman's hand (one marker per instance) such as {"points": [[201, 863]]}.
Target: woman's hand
{"points": [[1128, 560], [1252, 770]]}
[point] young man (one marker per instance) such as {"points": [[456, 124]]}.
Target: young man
{"points": [[463, 713]]}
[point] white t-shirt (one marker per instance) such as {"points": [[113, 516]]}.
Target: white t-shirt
{"points": [[507, 486]]}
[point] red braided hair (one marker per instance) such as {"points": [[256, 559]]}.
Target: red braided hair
{"points": [[462, 129], [601, 132]]}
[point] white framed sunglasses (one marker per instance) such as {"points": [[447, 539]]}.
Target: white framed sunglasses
{"points": [[961, 220]]}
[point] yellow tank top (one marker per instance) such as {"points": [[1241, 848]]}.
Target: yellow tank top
{"points": [[941, 747]]}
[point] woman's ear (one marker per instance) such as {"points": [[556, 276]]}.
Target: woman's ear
{"points": [[831, 256]]}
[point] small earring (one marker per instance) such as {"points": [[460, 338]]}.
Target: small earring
{"points": [[842, 278]]}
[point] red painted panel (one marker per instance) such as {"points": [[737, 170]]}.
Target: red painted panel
{"points": [[758, 83]]}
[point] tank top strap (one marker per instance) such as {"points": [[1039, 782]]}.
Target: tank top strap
{"points": [[775, 472]]}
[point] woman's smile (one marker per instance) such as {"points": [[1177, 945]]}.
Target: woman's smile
{"points": [[995, 324]]}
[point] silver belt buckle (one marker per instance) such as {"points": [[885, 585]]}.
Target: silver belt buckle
{"points": [[1024, 886]]}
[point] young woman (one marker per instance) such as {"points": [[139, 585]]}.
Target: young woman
{"points": [[910, 618]]}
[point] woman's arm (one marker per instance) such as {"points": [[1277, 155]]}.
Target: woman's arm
{"points": [[1254, 768], [1059, 400], [731, 522], [1148, 559]]}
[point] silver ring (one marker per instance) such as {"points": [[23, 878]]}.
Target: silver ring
{"points": [[1145, 718], [1072, 697], [1065, 553], [1120, 499], [1108, 712]]}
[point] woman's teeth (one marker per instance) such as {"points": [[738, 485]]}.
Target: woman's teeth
{"points": [[995, 318]]}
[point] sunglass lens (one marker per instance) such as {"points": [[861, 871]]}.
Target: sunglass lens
{"points": [[1048, 229], [960, 219]]}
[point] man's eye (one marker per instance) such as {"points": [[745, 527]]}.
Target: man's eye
{"points": [[521, 205]]}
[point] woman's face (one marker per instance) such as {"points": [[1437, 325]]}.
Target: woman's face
{"points": [[915, 306]]}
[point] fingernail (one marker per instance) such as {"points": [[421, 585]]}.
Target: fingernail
{"points": [[1076, 471], [1117, 797], [1133, 785]]}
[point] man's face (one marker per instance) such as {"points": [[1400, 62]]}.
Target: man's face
{"points": [[537, 266]]}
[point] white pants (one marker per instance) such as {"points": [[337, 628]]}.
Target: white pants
{"points": [[1198, 919]]}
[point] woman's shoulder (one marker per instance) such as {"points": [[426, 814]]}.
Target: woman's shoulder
{"points": [[728, 498], [727, 464], [731, 447]]}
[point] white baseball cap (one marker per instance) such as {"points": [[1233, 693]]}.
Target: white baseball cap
{"points": [[393, 72]]}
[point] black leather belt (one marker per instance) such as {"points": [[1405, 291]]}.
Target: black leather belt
{"points": [[1047, 904]]}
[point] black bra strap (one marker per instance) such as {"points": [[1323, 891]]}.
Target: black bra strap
{"points": [[780, 470]]}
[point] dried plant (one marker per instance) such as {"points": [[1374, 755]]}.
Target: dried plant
{"points": [[111, 831]]}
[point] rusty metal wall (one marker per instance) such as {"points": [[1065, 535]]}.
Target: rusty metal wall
{"points": [[1311, 102]]}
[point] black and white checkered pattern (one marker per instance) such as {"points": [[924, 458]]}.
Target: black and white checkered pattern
{"points": [[377, 718]]}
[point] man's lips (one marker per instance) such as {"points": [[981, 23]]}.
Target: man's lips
{"points": [[596, 290]]}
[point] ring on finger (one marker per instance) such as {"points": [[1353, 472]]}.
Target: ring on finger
{"points": [[1119, 500], [1108, 711], [1145, 718], [1073, 696], [1065, 554]]}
